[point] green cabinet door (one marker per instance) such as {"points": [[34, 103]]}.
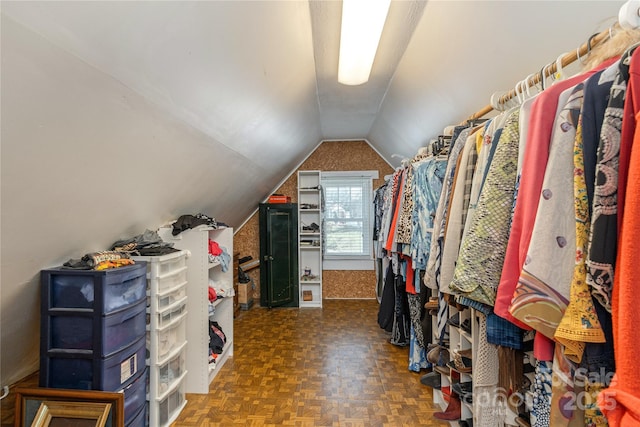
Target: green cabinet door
{"points": [[278, 255]]}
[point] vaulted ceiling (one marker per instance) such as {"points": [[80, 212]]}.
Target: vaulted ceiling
{"points": [[261, 76]]}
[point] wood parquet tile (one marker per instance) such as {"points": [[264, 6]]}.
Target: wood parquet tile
{"points": [[330, 367]]}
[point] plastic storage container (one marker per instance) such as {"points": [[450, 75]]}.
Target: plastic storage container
{"points": [[98, 292], [112, 333], [79, 369], [168, 337], [172, 262], [171, 314], [140, 419], [169, 297], [135, 397], [168, 406], [169, 270], [172, 279], [170, 372]]}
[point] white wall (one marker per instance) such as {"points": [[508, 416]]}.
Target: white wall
{"points": [[86, 161]]}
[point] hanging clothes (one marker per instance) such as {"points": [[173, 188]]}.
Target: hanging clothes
{"points": [[417, 345], [604, 221], [518, 220], [530, 186], [580, 323], [432, 272], [481, 256], [406, 201], [621, 401], [542, 292], [387, 303], [429, 175], [400, 334], [457, 214]]}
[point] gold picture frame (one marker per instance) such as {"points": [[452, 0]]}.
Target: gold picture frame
{"points": [[48, 407], [80, 414]]}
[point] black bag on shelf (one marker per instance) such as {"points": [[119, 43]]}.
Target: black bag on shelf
{"points": [[217, 338]]}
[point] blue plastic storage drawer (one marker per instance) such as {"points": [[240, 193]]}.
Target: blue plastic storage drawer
{"points": [[135, 397], [101, 292], [77, 369], [140, 419], [108, 335]]}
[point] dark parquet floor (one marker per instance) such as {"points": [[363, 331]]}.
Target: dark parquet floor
{"points": [[330, 367], [313, 367]]}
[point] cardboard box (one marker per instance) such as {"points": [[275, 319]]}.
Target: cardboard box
{"points": [[245, 293]]}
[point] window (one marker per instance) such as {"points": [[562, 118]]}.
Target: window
{"points": [[347, 219]]}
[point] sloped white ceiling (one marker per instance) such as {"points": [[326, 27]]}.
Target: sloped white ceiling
{"points": [[243, 72], [464, 51], [120, 116], [348, 112]]}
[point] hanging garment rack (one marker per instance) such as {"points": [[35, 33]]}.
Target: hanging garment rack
{"points": [[547, 71]]}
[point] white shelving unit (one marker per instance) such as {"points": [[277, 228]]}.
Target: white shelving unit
{"points": [[166, 335], [458, 340], [310, 238], [199, 270]]}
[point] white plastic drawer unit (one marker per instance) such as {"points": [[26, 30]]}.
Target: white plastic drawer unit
{"points": [[172, 262], [172, 313], [168, 337], [166, 271], [163, 265], [169, 281], [169, 372], [170, 404], [168, 297]]}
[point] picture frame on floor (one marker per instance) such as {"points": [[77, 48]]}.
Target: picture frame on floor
{"points": [[47, 407]]}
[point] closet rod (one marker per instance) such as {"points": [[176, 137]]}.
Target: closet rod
{"points": [[549, 69]]}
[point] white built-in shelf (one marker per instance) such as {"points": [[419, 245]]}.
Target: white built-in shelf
{"points": [[200, 270], [310, 255]]}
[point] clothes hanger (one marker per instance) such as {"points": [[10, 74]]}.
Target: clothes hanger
{"points": [[448, 130], [530, 84], [578, 55], [581, 59], [516, 100], [475, 122], [545, 77], [520, 91], [541, 79], [559, 74], [495, 102], [629, 15]]}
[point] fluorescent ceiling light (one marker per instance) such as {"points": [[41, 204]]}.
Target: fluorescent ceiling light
{"points": [[362, 22]]}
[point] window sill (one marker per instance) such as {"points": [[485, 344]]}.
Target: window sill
{"points": [[347, 264]]}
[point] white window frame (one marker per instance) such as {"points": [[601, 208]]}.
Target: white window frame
{"points": [[354, 262]]}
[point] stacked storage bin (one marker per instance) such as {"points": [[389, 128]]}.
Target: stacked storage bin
{"points": [[92, 333], [166, 335]]}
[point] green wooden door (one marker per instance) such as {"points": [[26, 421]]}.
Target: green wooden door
{"points": [[278, 255]]}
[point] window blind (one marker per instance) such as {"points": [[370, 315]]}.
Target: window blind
{"points": [[347, 215]]}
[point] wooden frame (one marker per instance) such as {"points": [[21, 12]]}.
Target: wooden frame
{"points": [[48, 407], [80, 414]]}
